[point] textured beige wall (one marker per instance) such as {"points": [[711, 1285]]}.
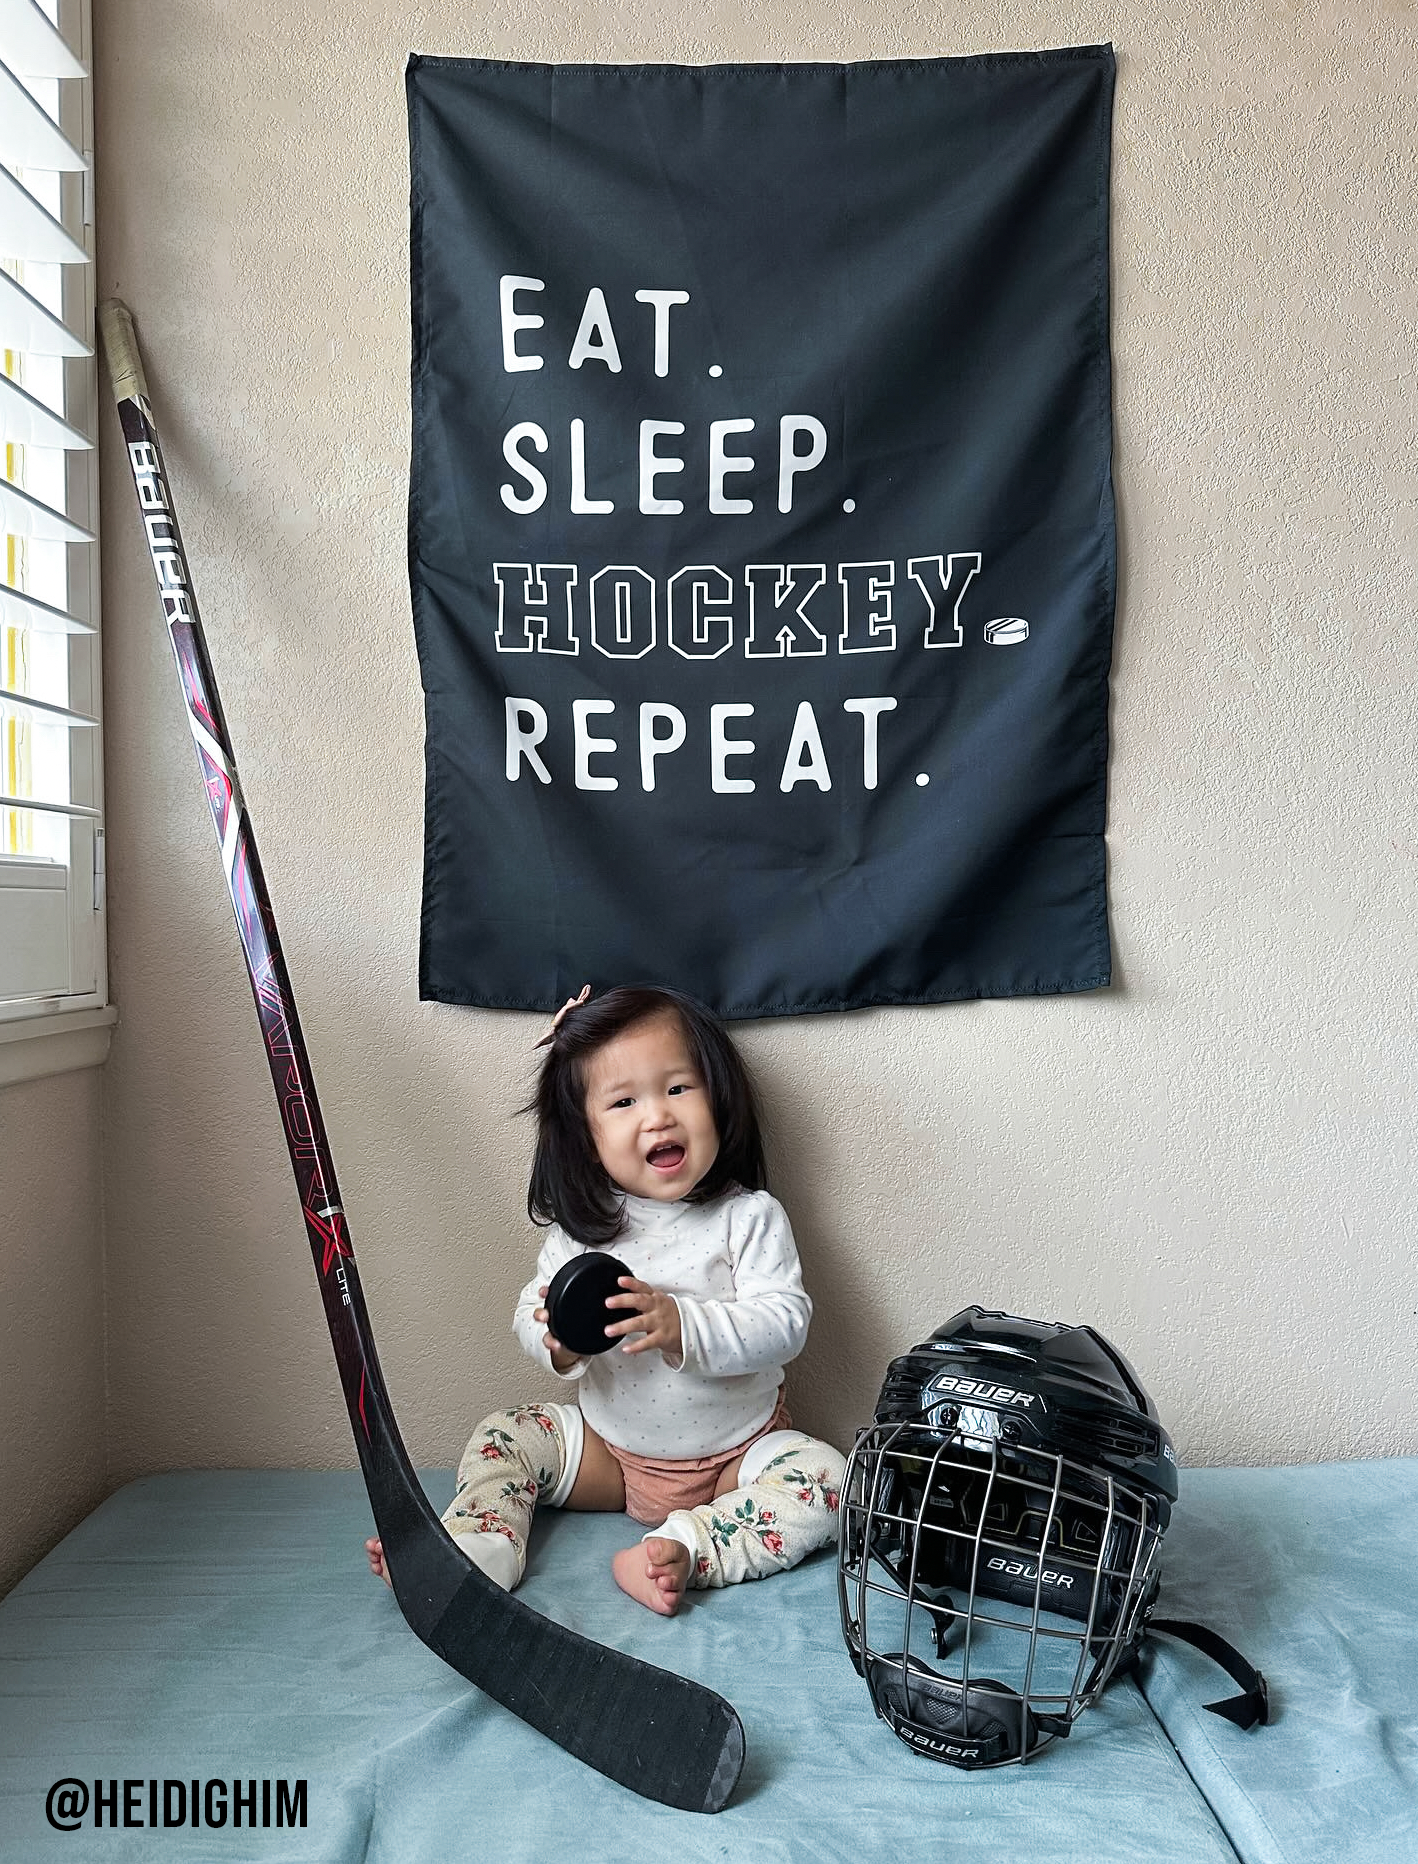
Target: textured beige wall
{"points": [[52, 1461], [1212, 1161]]}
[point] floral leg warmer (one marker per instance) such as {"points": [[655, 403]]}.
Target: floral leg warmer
{"points": [[784, 1509], [514, 1460]]}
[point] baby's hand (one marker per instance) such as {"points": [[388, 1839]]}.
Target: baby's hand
{"points": [[657, 1318], [562, 1358]]}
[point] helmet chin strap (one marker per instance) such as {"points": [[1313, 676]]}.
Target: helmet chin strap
{"points": [[1248, 1710], [985, 1722], [905, 1681], [1245, 1710]]}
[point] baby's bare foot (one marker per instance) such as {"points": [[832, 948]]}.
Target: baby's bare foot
{"points": [[656, 1573], [375, 1550]]}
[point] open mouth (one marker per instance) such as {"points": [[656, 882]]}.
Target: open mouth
{"points": [[666, 1158]]}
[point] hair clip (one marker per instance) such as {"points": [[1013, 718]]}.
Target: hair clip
{"points": [[571, 1003]]}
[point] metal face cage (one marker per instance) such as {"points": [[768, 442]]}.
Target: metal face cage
{"points": [[1027, 1573]]}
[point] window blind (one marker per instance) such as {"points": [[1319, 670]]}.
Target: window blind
{"points": [[51, 801]]}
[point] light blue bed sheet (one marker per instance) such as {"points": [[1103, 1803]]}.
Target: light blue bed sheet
{"points": [[1312, 1572], [213, 1625]]}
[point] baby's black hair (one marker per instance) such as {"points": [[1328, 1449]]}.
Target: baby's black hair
{"points": [[569, 1184]]}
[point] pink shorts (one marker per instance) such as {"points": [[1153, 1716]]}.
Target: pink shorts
{"points": [[654, 1485]]}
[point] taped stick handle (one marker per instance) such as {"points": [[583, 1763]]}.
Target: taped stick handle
{"points": [[120, 347]]}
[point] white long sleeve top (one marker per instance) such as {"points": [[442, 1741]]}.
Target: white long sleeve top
{"points": [[732, 1269]]}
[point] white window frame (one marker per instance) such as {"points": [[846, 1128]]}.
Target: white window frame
{"points": [[57, 1029]]}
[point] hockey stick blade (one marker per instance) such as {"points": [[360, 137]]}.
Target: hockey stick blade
{"points": [[660, 1735]]}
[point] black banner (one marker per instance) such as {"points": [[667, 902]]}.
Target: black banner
{"points": [[761, 527]]}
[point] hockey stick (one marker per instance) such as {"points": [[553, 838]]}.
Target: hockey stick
{"points": [[656, 1733]]}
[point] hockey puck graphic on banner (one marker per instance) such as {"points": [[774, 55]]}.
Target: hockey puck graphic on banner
{"points": [[577, 1314], [1007, 631]]}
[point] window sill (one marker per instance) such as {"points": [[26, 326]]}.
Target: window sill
{"points": [[35, 1046]]}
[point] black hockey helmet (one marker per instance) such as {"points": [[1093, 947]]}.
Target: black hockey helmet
{"points": [[1058, 1386], [1005, 1508]]}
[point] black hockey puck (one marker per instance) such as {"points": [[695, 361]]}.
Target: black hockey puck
{"points": [[577, 1314]]}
